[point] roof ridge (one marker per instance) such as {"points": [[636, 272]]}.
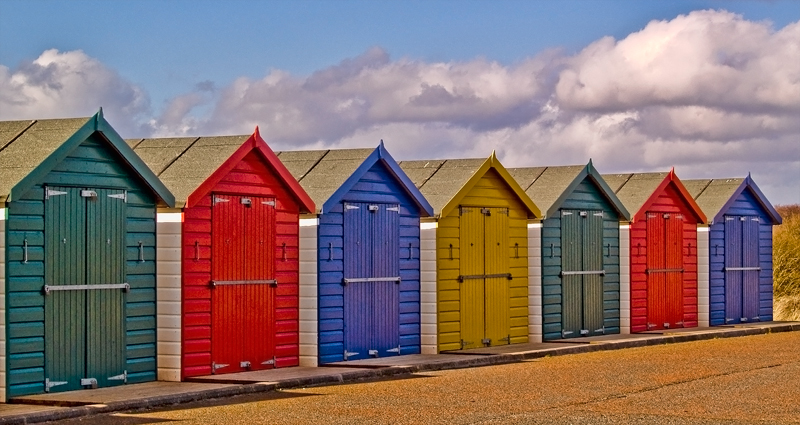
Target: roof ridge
{"points": [[315, 165], [14, 139], [177, 157], [434, 172], [704, 188]]}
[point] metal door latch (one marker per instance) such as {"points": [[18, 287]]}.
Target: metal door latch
{"points": [[486, 341], [244, 365], [743, 319], [584, 332], [666, 325], [121, 377], [50, 384], [89, 382], [88, 194], [373, 353]]}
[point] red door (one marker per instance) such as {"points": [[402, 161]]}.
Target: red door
{"points": [[664, 271], [243, 282]]}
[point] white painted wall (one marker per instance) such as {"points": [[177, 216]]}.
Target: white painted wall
{"points": [[168, 295], [3, 305], [309, 317], [625, 279], [534, 282], [427, 286], [703, 282]]}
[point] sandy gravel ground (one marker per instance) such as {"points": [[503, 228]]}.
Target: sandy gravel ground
{"points": [[746, 380]]}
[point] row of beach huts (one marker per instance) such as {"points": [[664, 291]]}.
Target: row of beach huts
{"points": [[125, 261]]}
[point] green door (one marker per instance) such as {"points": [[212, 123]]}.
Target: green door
{"points": [[84, 288], [582, 273]]}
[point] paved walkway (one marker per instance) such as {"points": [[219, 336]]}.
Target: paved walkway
{"points": [[47, 407]]}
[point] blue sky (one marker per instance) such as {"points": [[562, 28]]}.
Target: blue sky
{"points": [[171, 68]]}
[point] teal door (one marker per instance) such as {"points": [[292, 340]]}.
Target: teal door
{"points": [[582, 273], [84, 288]]}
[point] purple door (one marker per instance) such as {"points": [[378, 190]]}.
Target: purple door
{"points": [[741, 269], [371, 280]]}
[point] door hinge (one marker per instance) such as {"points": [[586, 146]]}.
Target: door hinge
{"points": [[564, 333], [350, 207], [269, 362], [50, 192], [394, 350], [601, 330], [270, 203], [50, 384], [566, 213], [121, 377], [679, 323], [507, 339], [395, 208], [215, 366], [217, 200], [728, 320], [123, 196], [598, 214], [348, 354], [373, 353], [650, 326], [729, 218], [465, 343], [89, 382], [463, 210]]}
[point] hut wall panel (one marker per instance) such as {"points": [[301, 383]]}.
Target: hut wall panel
{"points": [[428, 304], [535, 282], [3, 305], [249, 177], [744, 205], [168, 295], [625, 279], [490, 191], [309, 328], [92, 165], [703, 306], [586, 196], [668, 201], [376, 185]]}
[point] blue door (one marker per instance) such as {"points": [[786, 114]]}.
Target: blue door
{"points": [[371, 280], [741, 269]]}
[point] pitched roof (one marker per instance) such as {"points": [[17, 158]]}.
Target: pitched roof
{"points": [[329, 174], [638, 191], [445, 182], [30, 149], [191, 166], [549, 187], [715, 196]]}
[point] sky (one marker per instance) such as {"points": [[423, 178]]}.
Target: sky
{"points": [[711, 88]]}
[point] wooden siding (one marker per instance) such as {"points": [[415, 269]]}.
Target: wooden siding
{"points": [[376, 185], [428, 317], [93, 165], [309, 323], [168, 295], [625, 279], [3, 306], [669, 201], [490, 191], [703, 288], [744, 205], [586, 196], [535, 282], [251, 176]]}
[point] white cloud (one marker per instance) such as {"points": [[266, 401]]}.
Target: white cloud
{"points": [[70, 84], [709, 92]]}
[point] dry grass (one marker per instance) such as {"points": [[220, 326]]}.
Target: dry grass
{"points": [[786, 261]]}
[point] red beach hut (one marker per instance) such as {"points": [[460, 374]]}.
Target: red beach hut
{"points": [[228, 268], [663, 240]]}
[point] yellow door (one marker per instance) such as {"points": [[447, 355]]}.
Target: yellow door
{"points": [[471, 277], [496, 267]]}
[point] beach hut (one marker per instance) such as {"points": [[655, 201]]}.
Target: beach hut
{"points": [[578, 282], [228, 255], [475, 255], [663, 250], [360, 255], [735, 283], [78, 252]]}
